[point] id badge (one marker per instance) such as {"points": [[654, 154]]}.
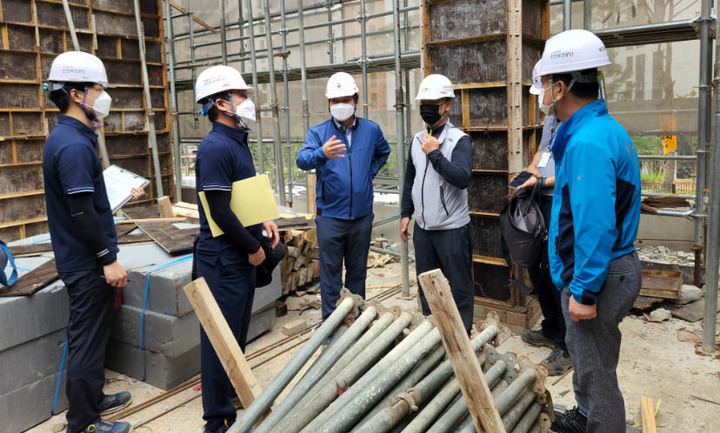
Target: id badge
{"points": [[544, 158]]}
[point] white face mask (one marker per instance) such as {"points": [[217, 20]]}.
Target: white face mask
{"points": [[246, 112], [544, 108], [101, 105], [342, 112]]}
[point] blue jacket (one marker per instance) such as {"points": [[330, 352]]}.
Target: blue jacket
{"points": [[344, 185], [596, 209]]}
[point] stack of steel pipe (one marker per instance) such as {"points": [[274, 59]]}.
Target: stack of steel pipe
{"points": [[384, 370]]}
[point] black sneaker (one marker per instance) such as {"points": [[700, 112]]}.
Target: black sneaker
{"points": [[222, 429], [536, 338], [558, 362], [114, 402], [571, 421], [237, 404], [101, 426]]}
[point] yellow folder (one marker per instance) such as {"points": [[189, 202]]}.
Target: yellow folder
{"points": [[252, 201]]}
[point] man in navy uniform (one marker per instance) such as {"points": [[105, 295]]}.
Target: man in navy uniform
{"points": [[227, 262], [347, 151], [83, 236]]}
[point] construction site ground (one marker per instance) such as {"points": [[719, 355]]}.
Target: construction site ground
{"points": [[654, 362]]}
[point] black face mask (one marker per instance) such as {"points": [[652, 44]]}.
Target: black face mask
{"points": [[430, 114]]}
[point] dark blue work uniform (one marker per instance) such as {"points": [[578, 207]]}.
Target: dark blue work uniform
{"points": [[71, 165], [344, 202], [223, 158]]}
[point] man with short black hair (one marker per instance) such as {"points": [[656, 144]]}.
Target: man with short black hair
{"points": [[83, 236]]}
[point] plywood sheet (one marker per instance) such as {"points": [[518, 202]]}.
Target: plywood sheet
{"points": [[33, 281]]}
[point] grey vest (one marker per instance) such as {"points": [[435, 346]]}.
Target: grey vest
{"points": [[438, 204]]}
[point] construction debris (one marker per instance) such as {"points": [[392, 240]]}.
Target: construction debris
{"points": [[661, 284], [688, 294], [659, 315]]}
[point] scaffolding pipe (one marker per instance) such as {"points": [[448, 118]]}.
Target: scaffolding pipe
{"points": [[149, 115], [330, 39], [567, 15], [400, 131], [515, 413], [193, 74], [713, 239], [362, 18], [303, 79], [223, 33], [174, 118], [587, 14], [261, 404], [348, 410], [528, 423], [240, 31], [277, 148], [322, 394], [329, 356], [286, 103], [253, 64], [704, 131]]}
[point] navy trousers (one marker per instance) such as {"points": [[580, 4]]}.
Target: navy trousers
{"points": [[341, 241], [88, 332], [451, 252], [231, 279]]}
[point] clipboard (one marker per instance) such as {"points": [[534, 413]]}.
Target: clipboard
{"points": [[252, 201], [118, 183]]}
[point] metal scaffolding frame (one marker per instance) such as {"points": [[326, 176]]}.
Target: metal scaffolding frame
{"points": [[404, 60]]}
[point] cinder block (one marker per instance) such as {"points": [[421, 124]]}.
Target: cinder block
{"points": [[30, 405], [166, 335], [29, 317], [32, 361], [163, 371], [165, 294]]}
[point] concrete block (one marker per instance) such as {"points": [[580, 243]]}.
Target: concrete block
{"points": [[30, 405], [32, 361], [268, 294], [163, 371], [26, 318], [166, 335], [261, 322], [165, 294], [295, 327]]}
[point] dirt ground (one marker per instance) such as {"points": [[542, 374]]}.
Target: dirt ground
{"points": [[653, 363]]}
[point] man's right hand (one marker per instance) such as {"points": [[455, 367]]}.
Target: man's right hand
{"points": [[115, 275], [257, 257], [404, 234], [333, 148]]}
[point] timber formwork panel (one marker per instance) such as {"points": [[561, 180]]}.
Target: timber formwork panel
{"points": [[32, 34], [488, 48]]}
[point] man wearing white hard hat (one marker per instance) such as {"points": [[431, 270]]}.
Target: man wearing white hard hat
{"points": [[439, 168], [593, 227], [347, 152], [83, 236], [227, 262], [542, 168]]}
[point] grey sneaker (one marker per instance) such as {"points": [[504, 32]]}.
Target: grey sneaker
{"points": [[558, 362], [536, 338], [114, 402], [101, 426]]}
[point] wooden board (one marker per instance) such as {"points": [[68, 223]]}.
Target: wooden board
{"points": [[294, 223], [661, 284], [33, 281], [647, 411], [170, 238], [46, 247], [460, 352], [223, 341]]}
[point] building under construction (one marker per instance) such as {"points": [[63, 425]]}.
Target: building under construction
{"points": [[659, 87]]}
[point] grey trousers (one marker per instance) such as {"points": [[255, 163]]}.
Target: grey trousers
{"points": [[594, 347]]}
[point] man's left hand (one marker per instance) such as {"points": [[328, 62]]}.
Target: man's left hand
{"points": [[580, 311], [136, 193], [272, 232], [429, 143]]}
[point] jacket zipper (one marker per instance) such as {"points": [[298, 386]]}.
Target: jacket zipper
{"points": [[442, 200], [351, 175], [422, 190]]}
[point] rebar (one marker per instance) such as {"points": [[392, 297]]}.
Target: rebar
{"points": [[149, 115], [253, 65], [322, 394], [319, 368], [256, 410]]}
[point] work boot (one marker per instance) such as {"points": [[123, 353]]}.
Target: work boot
{"points": [[221, 429], [237, 404], [558, 362], [101, 426], [571, 421], [536, 338], [114, 402]]}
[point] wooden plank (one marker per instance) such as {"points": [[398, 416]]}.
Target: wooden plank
{"points": [[33, 281], [460, 352], [223, 341], [166, 208], [647, 410], [311, 193], [170, 238], [661, 284], [152, 220]]}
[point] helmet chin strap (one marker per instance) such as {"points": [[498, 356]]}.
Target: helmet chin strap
{"points": [[234, 115], [90, 115]]}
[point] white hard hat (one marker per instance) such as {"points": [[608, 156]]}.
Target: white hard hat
{"points": [[216, 79], [78, 67], [339, 85], [571, 51], [537, 87], [435, 86]]}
